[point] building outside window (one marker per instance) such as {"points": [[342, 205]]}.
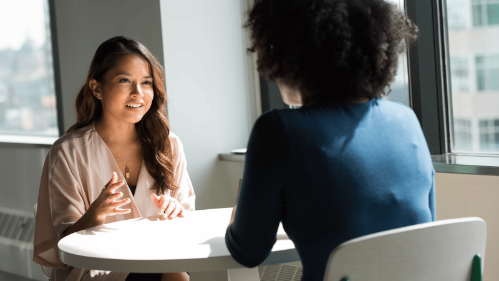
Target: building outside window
{"points": [[473, 28], [462, 134], [487, 72], [27, 89], [489, 134], [460, 74], [485, 12]]}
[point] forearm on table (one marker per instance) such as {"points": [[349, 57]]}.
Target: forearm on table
{"points": [[89, 219]]}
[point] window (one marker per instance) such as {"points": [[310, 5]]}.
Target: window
{"points": [[489, 134], [462, 134], [474, 76], [27, 87], [485, 12], [487, 72], [457, 14], [459, 74]]}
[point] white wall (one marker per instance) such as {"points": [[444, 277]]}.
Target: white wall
{"points": [[459, 195], [20, 172], [207, 81]]}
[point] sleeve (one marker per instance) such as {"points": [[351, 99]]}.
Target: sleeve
{"points": [[252, 234], [432, 197], [185, 194], [60, 204]]}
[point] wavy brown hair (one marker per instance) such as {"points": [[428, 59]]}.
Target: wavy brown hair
{"points": [[154, 129], [330, 49]]}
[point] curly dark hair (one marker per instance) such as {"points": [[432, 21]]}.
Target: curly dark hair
{"points": [[330, 49]]}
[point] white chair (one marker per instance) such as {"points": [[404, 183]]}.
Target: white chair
{"points": [[441, 250], [47, 271]]}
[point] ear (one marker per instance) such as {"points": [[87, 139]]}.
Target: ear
{"points": [[95, 87]]}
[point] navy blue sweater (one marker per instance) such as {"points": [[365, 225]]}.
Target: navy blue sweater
{"points": [[330, 172]]}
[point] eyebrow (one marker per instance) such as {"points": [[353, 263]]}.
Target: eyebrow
{"points": [[128, 74]]}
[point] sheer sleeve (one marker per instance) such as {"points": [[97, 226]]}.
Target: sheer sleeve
{"points": [[60, 204]]}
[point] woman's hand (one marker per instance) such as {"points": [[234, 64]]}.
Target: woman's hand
{"points": [[102, 207], [106, 204], [169, 205]]}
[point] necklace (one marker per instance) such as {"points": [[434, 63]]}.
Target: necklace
{"points": [[127, 171]]}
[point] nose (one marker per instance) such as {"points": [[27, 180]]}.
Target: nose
{"points": [[137, 91]]}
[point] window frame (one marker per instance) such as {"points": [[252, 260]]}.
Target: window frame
{"points": [[431, 92], [429, 71], [38, 141]]}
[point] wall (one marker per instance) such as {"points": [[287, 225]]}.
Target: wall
{"points": [[207, 81], [459, 195], [20, 172]]}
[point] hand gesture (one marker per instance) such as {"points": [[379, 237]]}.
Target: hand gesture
{"points": [[169, 205], [105, 205]]}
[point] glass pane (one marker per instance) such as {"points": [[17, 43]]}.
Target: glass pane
{"points": [[477, 14], [27, 92], [459, 74], [493, 14], [494, 83], [474, 74], [400, 87], [480, 80]]}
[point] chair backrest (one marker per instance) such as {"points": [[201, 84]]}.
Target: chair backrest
{"points": [[441, 250], [47, 271]]}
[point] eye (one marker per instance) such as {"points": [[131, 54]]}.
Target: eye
{"points": [[147, 82], [124, 80]]}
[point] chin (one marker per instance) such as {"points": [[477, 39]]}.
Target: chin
{"points": [[133, 120]]}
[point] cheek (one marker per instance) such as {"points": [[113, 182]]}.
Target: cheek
{"points": [[149, 97]]}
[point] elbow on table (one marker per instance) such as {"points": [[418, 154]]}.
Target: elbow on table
{"points": [[248, 257]]}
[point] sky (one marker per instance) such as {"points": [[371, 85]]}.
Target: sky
{"points": [[20, 19]]}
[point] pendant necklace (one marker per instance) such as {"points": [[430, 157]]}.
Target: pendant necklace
{"points": [[127, 171]]}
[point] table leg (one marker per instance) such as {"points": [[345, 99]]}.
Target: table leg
{"points": [[243, 274]]}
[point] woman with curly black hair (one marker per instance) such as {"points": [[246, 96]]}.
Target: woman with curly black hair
{"points": [[347, 163]]}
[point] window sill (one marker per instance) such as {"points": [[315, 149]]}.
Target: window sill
{"points": [[449, 163], [13, 140], [231, 157], [466, 164]]}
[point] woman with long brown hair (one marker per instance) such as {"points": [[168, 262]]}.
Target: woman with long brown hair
{"points": [[122, 132]]}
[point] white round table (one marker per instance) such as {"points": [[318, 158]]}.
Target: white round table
{"points": [[193, 243]]}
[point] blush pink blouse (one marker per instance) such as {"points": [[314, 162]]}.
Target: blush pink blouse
{"points": [[76, 169]]}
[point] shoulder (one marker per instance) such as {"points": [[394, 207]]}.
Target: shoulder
{"points": [[394, 107], [268, 137], [66, 147], [270, 121], [73, 141]]}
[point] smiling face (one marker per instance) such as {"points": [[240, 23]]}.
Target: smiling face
{"points": [[126, 91]]}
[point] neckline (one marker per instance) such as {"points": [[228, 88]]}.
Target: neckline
{"points": [[352, 104], [116, 162]]}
